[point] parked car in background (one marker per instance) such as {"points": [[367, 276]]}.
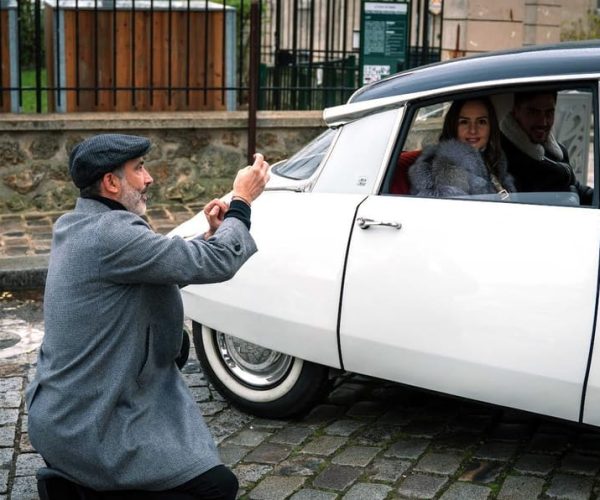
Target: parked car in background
{"points": [[484, 298]]}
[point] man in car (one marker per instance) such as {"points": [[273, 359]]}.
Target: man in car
{"points": [[537, 161], [108, 408]]}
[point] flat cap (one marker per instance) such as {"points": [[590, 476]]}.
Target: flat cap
{"points": [[98, 155]]}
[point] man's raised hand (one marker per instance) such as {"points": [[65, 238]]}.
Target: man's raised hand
{"points": [[250, 181]]}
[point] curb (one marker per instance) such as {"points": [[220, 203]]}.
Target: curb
{"points": [[23, 273]]}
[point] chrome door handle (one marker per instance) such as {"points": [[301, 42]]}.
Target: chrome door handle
{"points": [[365, 223]]}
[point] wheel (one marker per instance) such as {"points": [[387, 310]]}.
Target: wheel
{"points": [[257, 380]]}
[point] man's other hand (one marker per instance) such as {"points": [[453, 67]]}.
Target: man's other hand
{"points": [[214, 211]]}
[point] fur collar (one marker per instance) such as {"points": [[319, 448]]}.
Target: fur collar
{"points": [[453, 168], [515, 134]]}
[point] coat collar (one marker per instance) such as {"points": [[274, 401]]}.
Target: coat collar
{"points": [[515, 134], [112, 204], [91, 205]]}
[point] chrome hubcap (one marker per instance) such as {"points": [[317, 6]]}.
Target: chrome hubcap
{"points": [[252, 364]]}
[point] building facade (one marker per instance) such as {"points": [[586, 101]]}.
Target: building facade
{"points": [[474, 26]]}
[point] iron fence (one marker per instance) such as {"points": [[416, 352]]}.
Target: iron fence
{"points": [[168, 55]]}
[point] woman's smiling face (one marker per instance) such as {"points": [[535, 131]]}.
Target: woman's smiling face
{"points": [[474, 125]]}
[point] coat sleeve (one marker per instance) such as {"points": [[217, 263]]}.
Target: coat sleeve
{"points": [[586, 193], [131, 253], [419, 174]]}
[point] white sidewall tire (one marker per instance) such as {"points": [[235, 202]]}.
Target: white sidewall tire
{"points": [[235, 386]]}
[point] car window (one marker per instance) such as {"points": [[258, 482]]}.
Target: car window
{"points": [[306, 161], [529, 162], [426, 126], [361, 151], [573, 128]]}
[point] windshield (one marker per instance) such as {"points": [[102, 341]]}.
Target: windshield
{"points": [[304, 163]]}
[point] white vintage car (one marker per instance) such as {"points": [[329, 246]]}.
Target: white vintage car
{"points": [[481, 297]]}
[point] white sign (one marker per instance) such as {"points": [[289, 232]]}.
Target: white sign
{"points": [[374, 73], [385, 8]]}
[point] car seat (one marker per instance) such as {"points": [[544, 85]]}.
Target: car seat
{"points": [[400, 183]]}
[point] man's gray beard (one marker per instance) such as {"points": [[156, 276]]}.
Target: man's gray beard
{"points": [[132, 199]]}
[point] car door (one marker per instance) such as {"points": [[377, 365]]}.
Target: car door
{"points": [[486, 300], [286, 297]]}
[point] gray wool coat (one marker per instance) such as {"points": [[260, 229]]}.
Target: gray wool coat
{"points": [[453, 168], [108, 407]]}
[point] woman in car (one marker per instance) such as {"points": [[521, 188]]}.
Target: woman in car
{"points": [[468, 160]]}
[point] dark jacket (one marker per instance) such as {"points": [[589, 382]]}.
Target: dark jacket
{"points": [[538, 168], [452, 168]]}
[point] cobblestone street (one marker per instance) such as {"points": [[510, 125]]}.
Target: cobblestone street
{"points": [[369, 440]]}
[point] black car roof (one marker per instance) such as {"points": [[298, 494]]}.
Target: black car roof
{"points": [[534, 61]]}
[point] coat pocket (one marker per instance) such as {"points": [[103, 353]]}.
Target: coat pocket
{"points": [[145, 370]]}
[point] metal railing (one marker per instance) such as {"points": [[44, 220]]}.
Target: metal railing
{"points": [[93, 55], [169, 55]]}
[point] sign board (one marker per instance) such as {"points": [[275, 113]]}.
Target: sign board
{"points": [[384, 39]]}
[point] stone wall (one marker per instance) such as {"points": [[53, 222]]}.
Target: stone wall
{"points": [[194, 157]]}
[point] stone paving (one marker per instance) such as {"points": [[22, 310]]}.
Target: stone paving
{"points": [[369, 439]]}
